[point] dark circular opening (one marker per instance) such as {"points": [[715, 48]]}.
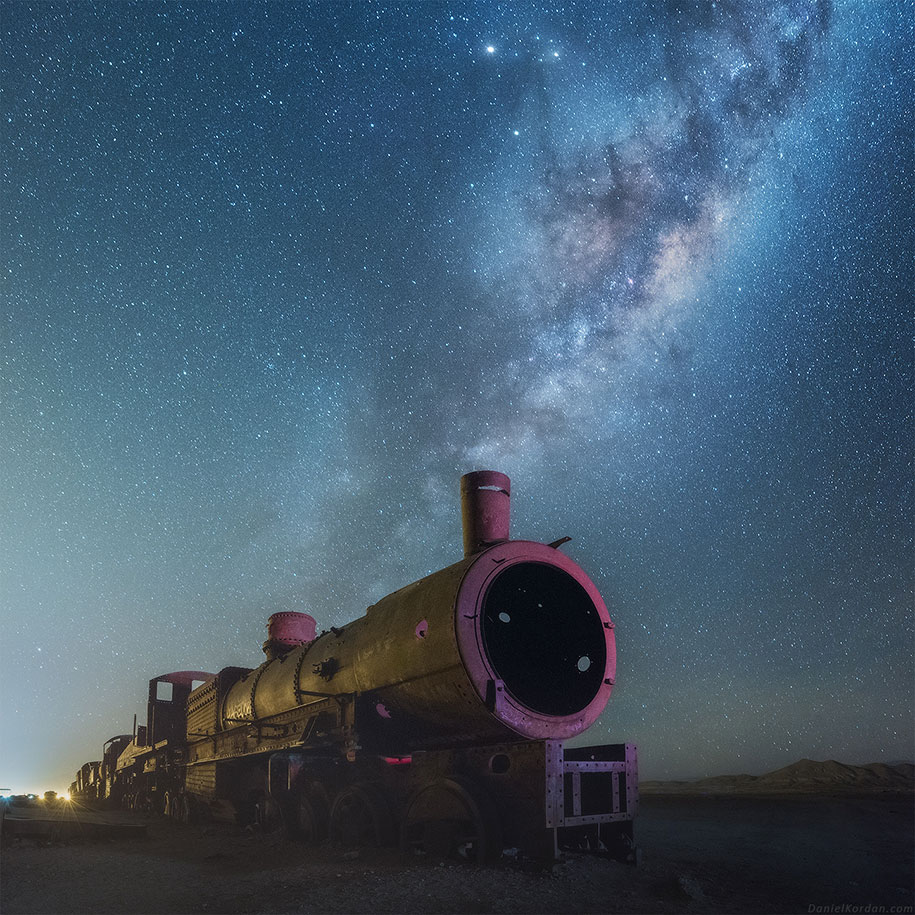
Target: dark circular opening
{"points": [[544, 638], [499, 764]]}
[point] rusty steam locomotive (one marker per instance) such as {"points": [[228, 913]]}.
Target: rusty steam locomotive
{"points": [[438, 719]]}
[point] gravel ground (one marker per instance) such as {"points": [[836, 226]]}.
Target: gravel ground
{"points": [[699, 854]]}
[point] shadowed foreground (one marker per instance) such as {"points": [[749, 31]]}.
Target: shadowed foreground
{"points": [[700, 854]]}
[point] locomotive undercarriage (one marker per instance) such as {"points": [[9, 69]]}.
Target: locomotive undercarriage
{"points": [[467, 803], [152, 781]]}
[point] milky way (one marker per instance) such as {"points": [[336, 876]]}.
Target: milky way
{"points": [[615, 221], [275, 275]]}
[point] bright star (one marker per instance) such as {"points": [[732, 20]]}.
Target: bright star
{"points": [[490, 49]]}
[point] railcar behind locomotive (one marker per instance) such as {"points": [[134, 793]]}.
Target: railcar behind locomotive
{"points": [[439, 718]]}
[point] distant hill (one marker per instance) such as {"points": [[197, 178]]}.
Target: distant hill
{"points": [[804, 777]]}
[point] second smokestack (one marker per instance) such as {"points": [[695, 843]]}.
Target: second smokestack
{"points": [[485, 509]]}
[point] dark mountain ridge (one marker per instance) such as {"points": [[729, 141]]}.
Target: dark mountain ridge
{"points": [[807, 776]]}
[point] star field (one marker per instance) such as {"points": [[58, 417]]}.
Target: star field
{"points": [[276, 274]]}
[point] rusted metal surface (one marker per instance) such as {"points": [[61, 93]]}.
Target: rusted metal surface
{"points": [[611, 790], [286, 630], [535, 787], [166, 707], [113, 748], [441, 712], [424, 660], [485, 509], [594, 636]]}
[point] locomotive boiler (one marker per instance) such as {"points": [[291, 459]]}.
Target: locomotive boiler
{"points": [[439, 717]]}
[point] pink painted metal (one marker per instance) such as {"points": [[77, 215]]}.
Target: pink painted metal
{"points": [[184, 677], [468, 617], [290, 629], [485, 507], [513, 641], [287, 630]]}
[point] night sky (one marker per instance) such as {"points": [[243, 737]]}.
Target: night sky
{"points": [[275, 275]]}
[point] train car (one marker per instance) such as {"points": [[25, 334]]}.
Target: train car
{"points": [[139, 769], [149, 771], [439, 719], [111, 750], [86, 783], [441, 716]]}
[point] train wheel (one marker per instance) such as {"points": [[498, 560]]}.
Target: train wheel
{"points": [[451, 818], [183, 809], [269, 815], [311, 813], [360, 816]]}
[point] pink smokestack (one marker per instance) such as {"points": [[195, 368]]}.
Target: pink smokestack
{"points": [[286, 630], [485, 507]]}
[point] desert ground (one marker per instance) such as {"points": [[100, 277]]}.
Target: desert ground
{"points": [[709, 853]]}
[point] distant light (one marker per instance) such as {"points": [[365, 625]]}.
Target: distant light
{"points": [[490, 49]]}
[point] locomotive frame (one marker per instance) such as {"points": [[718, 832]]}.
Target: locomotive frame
{"points": [[439, 719]]}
